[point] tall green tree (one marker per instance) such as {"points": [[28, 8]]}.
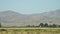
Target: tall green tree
{"points": [[45, 25], [0, 24], [41, 25]]}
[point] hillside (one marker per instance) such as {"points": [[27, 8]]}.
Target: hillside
{"points": [[11, 18]]}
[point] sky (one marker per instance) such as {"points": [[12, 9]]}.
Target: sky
{"points": [[29, 6]]}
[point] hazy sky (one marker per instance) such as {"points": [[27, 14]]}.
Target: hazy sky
{"points": [[29, 6]]}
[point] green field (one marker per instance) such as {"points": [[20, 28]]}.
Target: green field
{"points": [[29, 30]]}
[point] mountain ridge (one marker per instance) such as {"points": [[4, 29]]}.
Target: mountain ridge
{"points": [[12, 18]]}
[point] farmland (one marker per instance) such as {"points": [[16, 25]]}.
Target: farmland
{"points": [[29, 30]]}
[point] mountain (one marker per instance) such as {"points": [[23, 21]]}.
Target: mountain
{"points": [[48, 17], [11, 18]]}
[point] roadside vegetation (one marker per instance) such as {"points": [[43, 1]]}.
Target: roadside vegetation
{"points": [[45, 25], [39, 25]]}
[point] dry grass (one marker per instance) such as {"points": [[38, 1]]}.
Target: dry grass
{"points": [[30, 31]]}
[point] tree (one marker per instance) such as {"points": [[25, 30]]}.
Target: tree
{"points": [[58, 25], [41, 25], [45, 25], [54, 25], [0, 24]]}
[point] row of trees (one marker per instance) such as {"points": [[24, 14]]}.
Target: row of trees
{"points": [[44, 25], [48, 25]]}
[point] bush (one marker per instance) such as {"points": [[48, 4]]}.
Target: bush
{"points": [[2, 29]]}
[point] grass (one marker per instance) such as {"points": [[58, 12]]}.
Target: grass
{"points": [[29, 30]]}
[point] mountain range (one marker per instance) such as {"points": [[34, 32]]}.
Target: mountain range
{"points": [[12, 18]]}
